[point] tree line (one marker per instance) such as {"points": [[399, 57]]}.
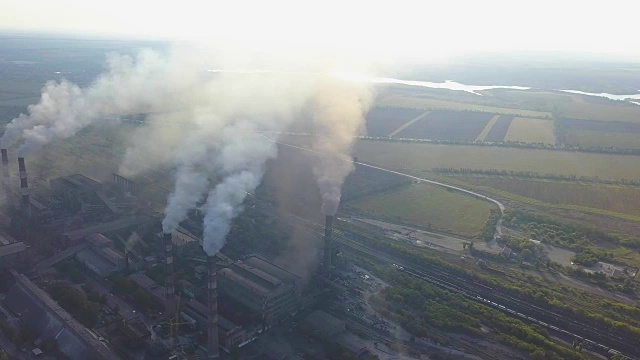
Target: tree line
{"points": [[533, 175]]}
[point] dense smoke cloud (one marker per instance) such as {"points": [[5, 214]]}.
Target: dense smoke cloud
{"points": [[129, 86], [206, 125], [338, 117]]}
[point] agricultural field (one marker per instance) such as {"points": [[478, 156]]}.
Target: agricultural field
{"points": [[592, 138], [619, 199], [568, 105], [531, 131], [499, 129], [447, 125], [417, 158], [487, 128], [427, 206], [436, 104], [612, 111], [381, 121], [587, 133]]}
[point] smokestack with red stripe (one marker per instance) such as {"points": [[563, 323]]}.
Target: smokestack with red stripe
{"points": [[212, 326], [170, 301], [328, 242], [24, 187], [6, 178]]}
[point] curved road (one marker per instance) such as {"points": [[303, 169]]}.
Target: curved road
{"points": [[456, 188]]}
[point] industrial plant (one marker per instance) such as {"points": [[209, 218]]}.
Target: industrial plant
{"points": [[159, 295]]}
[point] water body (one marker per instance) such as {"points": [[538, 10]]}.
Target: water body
{"points": [[448, 84], [606, 95]]}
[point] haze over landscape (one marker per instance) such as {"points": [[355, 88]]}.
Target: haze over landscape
{"points": [[331, 180]]}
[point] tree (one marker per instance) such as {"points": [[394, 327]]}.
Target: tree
{"points": [[538, 355]]}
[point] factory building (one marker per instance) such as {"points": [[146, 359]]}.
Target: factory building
{"points": [[101, 258], [157, 292], [12, 252], [230, 334], [74, 190], [261, 287]]}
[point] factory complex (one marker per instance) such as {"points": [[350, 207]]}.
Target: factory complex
{"points": [[86, 266]]}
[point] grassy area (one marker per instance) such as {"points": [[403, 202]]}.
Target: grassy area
{"points": [[531, 131], [569, 105], [417, 158], [621, 199], [428, 206], [598, 111], [434, 104], [593, 138]]}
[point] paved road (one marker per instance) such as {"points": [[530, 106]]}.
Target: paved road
{"points": [[433, 182]]}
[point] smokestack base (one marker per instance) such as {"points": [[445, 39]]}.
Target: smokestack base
{"points": [[5, 157], [328, 243], [213, 347], [170, 296]]}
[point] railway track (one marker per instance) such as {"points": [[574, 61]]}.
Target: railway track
{"points": [[595, 339]]}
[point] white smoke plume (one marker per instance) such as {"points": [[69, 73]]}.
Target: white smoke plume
{"points": [[205, 125], [338, 117], [241, 161], [129, 86]]}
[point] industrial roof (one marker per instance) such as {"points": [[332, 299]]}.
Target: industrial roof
{"points": [[96, 263], [256, 275], [78, 180], [328, 324], [12, 248], [106, 227], [232, 275], [99, 240], [271, 269], [142, 280]]}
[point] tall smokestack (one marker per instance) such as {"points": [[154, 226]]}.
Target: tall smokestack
{"points": [[6, 178], [170, 300], [328, 242], [24, 187], [212, 326]]}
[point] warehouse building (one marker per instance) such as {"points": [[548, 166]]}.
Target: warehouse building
{"points": [[261, 287]]}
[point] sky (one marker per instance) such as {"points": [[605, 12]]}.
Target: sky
{"points": [[384, 30]]}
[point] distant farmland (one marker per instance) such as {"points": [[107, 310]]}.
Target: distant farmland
{"points": [[434, 104], [427, 206], [615, 111], [592, 138], [531, 131], [619, 199], [590, 133], [416, 158], [381, 121], [499, 129], [448, 125]]}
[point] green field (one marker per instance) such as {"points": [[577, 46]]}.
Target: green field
{"points": [[529, 130], [417, 158], [603, 112], [619, 199], [435, 104], [428, 206], [593, 138]]}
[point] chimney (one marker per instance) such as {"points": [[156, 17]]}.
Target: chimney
{"points": [[6, 178], [126, 258], [212, 326], [328, 243], [24, 187], [170, 299]]}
